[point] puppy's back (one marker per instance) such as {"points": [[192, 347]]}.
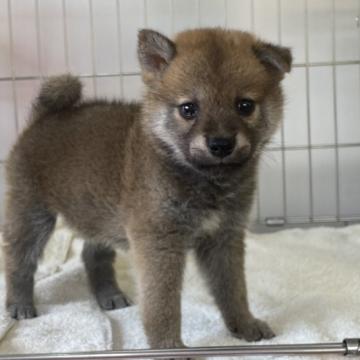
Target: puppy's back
{"points": [[70, 146]]}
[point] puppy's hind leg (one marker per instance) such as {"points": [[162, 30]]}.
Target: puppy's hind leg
{"points": [[98, 261], [28, 227]]}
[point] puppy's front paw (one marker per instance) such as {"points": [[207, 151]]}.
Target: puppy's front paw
{"points": [[112, 300], [253, 330], [21, 311]]}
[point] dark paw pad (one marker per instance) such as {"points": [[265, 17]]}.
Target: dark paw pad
{"points": [[22, 311], [112, 301]]}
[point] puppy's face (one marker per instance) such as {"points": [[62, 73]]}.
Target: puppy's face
{"points": [[214, 96]]}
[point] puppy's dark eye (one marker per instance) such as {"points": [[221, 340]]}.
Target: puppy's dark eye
{"points": [[245, 107], [188, 110]]}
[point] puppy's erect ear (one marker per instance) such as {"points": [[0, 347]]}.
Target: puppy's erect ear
{"points": [[275, 58], [155, 52]]}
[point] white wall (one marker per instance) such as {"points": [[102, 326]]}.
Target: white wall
{"points": [[98, 38]]}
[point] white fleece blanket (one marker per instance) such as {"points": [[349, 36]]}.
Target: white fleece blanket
{"points": [[305, 283]]}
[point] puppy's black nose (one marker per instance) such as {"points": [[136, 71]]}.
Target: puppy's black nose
{"points": [[221, 147]]}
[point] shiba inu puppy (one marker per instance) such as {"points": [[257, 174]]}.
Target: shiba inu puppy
{"points": [[175, 172]]}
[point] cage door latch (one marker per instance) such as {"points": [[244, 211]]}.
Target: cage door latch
{"points": [[275, 221]]}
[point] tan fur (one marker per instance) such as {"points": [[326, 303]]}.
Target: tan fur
{"points": [[128, 174]]}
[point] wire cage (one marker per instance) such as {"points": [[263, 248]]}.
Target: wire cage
{"points": [[310, 172]]}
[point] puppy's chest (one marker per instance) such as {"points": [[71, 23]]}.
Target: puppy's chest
{"points": [[205, 215], [208, 224]]}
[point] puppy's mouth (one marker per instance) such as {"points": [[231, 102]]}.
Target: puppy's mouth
{"points": [[224, 164]]}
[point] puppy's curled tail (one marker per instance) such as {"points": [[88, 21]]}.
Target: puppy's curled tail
{"points": [[59, 93]]}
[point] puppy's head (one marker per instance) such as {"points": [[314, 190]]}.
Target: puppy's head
{"points": [[213, 96]]}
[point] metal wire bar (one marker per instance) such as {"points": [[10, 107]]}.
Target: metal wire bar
{"points": [[312, 147], [336, 127], [226, 6], [85, 75], [257, 197], [172, 16], [36, 77], [65, 34], [252, 14], [119, 40], [308, 113], [347, 347], [283, 147], [38, 38], [92, 45], [304, 220], [13, 76], [198, 12], [327, 63], [145, 6]]}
